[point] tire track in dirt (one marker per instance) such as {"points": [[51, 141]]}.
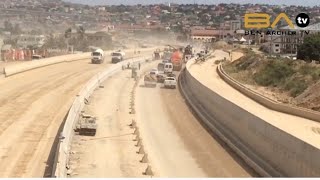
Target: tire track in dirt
{"points": [[28, 140]]}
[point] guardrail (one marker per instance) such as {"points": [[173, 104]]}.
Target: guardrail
{"points": [[62, 155], [267, 149]]}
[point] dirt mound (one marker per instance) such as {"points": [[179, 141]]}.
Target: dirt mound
{"points": [[221, 45], [310, 98]]}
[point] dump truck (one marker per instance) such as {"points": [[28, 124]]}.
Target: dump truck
{"points": [[97, 56], [176, 60], [117, 56], [150, 80]]}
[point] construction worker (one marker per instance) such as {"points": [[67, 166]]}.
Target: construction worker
{"points": [[139, 65]]}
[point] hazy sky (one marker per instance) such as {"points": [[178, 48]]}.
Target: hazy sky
{"points": [[131, 2]]}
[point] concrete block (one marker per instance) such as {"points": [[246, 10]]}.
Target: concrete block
{"points": [[145, 158], [133, 124], [139, 143], [136, 131], [136, 138], [141, 150], [148, 171]]}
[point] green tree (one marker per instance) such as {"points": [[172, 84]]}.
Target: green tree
{"points": [[309, 50]]}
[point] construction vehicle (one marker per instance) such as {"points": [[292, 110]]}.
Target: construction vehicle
{"points": [[150, 79], [187, 55], [176, 60], [97, 56], [117, 56]]}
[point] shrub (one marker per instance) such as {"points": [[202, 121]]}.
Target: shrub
{"points": [[296, 87], [274, 73]]}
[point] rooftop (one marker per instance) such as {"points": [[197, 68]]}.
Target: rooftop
{"points": [[312, 27]]}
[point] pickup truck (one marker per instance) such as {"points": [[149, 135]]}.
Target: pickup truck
{"points": [[170, 82]]}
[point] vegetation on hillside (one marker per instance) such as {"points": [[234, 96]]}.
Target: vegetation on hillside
{"points": [[309, 50], [282, 73]]}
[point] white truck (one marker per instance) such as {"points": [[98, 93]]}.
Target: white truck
{"points": [[170, 82], [117, 56], [97, 56]]}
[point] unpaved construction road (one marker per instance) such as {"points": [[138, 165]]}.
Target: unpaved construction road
{"points": [[111, 152], [177, 144], [33, 105]]}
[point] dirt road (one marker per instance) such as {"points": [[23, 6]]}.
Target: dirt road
{"points": [[33, 105], [111, 152], [301, 128], [177, 144]]}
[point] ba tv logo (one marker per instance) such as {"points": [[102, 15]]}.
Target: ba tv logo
{"points": [[262, 20]]}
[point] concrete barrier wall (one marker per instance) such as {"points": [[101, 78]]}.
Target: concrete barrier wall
{"points": [[266, 148], [19, 68], [301, 112], [62, 155]]}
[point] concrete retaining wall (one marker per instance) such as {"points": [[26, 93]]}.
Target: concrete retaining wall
{"points": [[266, 148], [62, 155], [296, 111]]}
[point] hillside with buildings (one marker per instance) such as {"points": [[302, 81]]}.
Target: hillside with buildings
{"points": [[39, 25]]}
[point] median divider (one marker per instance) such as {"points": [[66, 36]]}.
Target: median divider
{"points": [[269, 150], [62, 155]]}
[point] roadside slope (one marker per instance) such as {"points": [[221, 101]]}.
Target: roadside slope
{"points": [[299, 127]]}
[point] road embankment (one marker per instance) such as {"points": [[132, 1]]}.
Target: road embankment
{"points": [[270, 150]]}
